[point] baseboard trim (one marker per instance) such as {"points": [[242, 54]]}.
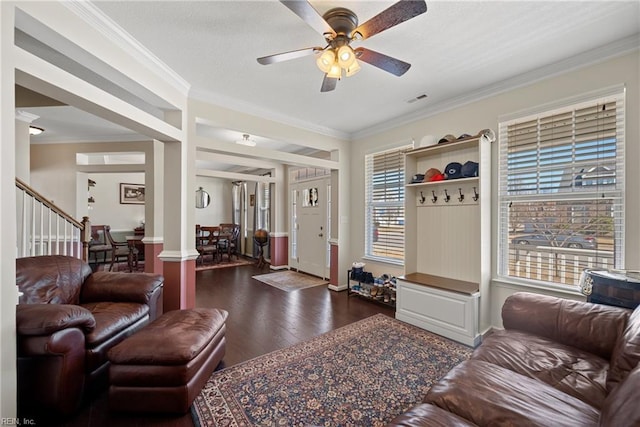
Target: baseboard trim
{"points": [[337, 288], [279, 267]]}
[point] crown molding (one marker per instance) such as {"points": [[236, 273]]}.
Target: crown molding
{"points": [[23, 116], [92, 15], [585, 59], [53, 139], [248, 108]]}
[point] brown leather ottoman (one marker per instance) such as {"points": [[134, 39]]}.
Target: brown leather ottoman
{"points": [[163, 367]]}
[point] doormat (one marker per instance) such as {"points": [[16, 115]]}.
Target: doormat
{"points": [[289, 281], [385, 367]]}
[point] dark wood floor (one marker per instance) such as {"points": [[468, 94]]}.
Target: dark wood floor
{"points": [[261, 319]]}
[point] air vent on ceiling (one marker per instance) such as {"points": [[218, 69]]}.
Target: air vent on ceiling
{"points": [[417, 98]]}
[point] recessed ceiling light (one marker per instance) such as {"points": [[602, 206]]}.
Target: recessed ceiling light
{"points": [[35, 130]]}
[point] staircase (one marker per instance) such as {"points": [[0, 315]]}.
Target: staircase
{"points": [[45, 229]]}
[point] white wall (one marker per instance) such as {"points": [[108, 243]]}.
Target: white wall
{"points": [[472, 117]]}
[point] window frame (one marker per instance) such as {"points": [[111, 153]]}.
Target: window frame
{"points": [[399, 178], [615, 194]]}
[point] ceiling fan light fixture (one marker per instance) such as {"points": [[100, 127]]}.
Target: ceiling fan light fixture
{"points": [[346, 56], [326, 60], [246, 141], [335, 72], [353, 68]]}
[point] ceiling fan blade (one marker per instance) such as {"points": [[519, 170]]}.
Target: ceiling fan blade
{"points": [[309, 15], [285, 56], [328, 84], [392, 16], [384, 62]]}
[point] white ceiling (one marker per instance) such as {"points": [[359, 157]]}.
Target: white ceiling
{"points": [[458, 50]]}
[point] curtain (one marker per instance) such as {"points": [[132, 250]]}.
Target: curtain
{"points": [[239, 212], [262, 212]]}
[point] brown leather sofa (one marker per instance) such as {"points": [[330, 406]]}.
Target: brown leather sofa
{"points": [[67, 319], [557, 363]]}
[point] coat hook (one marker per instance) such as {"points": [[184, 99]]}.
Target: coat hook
{"points": [[447, 197], [475, 194], [422, 198], [434, 198], [461, 198]]}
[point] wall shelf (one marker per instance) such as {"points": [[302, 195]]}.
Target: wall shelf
{"points": [[449, 182]]}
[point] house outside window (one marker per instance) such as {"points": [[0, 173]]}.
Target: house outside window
{"points": [[561, 191], [384, 205]]}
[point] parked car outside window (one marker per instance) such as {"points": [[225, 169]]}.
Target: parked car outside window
{"points": [[560, 241]]}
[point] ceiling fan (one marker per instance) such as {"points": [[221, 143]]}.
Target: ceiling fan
{"points": [[339, 27]]}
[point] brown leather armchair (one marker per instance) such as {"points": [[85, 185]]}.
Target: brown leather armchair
{"points": [[67, 319]]}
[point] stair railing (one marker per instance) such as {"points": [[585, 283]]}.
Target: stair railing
{"points": [[45, 229]]}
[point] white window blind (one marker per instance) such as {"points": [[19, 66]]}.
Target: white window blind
{"points": [[384, 219], [561, 191]]}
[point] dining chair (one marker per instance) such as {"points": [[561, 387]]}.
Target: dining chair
{"points": [[121, 251], [229, 243], [208, 242], [99, 244]]}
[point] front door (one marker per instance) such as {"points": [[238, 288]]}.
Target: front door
{"points": [[312, 233]]}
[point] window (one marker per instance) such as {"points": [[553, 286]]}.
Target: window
{"points": [[384, 199], [561, 191]]}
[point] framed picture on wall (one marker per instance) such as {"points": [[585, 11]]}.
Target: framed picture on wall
{"points": [[132, 194], [252, 199]]}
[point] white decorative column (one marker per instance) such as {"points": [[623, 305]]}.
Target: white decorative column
{"points": [[23, 143], [8, 293], [279, 238], [154, 208]]}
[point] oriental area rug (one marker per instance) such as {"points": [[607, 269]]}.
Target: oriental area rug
{"points": [[290, 280], [363, 374]]}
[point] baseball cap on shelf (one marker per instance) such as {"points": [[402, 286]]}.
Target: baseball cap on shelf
{"points": [[453, 170], [417, 178], [447, 138], [427, 141], [470, 169], [464, 136], [432, 175]]}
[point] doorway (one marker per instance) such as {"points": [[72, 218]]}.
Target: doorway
{"points": [[310, 204]]}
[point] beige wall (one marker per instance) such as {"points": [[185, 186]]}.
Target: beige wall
{"points": [[219, 210], [54, 172], [483, 114], [107, 208]]}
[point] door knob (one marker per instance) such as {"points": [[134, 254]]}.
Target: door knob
{"points": [[320, 235]]}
